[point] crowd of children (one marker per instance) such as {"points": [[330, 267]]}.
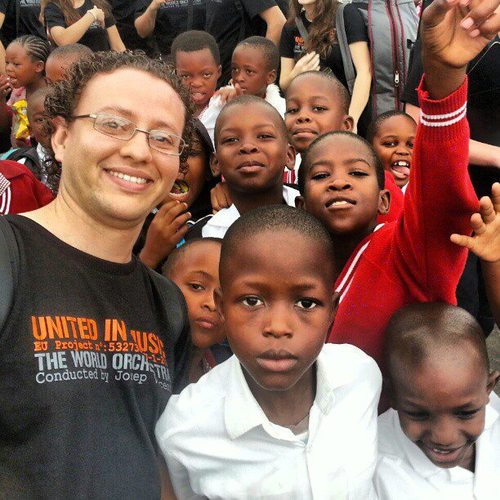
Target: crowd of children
{"points": [[319, 267]]}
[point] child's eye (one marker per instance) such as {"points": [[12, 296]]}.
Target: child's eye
{"points": [[228, 140], [265, 136], [307, 304], [291, 111], [250, 71], [252, 301], [410, 145], [319, 176], [359, 173], [389, 144], [467, 414], [319, 108], [196, 286], [207, 75], [184, 77]]}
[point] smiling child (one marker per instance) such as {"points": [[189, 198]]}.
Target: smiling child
{"points": [[286, 416], [441, 440], [392, 135], [251, 155]]}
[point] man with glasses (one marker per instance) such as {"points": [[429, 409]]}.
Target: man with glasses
{"points": [[92, 343]]}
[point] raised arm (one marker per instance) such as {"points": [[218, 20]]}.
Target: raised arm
{"points": [[440, 198], [73, 33]]}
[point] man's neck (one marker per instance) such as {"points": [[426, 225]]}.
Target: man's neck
{"points": [[76, 228], [245, 202]]}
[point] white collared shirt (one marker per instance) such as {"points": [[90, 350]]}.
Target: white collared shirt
{"points": [[403, 470], [219, 444], [217, 226]]}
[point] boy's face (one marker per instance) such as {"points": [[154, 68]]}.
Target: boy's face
{"points": [[393, 144], [441, 405], [196, 273], [277, 311], [37, 120], [199, 73], [251, 153], [189, 185], [313, 108], [249, 70], [341, 188]]}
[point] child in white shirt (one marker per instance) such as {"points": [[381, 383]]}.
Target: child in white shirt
{"points": [[286, 417], [442, 439]]}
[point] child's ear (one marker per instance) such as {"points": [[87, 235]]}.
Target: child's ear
{"points": [[219, 303], [348, 123], [214, 165], [299, 202], [58, 137], [271, 77], [384, 201], [290, 157], [39, 66], [493, 378]]}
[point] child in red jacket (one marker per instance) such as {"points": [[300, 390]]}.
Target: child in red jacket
{"points": [[341, 181], [20, 191]]}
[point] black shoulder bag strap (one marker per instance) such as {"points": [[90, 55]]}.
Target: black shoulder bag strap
{"points": [[302, 29], [9, 268], [350, 73]]}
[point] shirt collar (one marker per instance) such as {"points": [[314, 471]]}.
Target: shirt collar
{"points": [[242, 412]]}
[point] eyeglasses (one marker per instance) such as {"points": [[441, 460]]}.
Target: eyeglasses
{"points": [[123, 129]]}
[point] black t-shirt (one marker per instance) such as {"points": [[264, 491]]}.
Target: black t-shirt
{"points": [[87, 365], [124, 13], [96, 37], [293, 46], [225, 22], [172, 19], [483, 104], [29, 24]]}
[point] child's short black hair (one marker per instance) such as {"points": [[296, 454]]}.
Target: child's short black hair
{"points": [[305, 165], [71, 52], [337, 87], [275, 218], [417, 330], [267, 47], [177, 253], [245, 100], [194, 40], [375, 124]]}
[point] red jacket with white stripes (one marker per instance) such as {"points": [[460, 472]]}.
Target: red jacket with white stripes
{"points": [[412, 259], [20, 190]]}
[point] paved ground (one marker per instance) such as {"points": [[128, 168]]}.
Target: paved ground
{"points": [[493, 342]]}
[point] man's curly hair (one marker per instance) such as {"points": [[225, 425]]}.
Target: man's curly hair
{"points": [[64, 96]]}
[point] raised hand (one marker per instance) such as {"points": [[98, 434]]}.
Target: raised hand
{"points": [[486, 226]]}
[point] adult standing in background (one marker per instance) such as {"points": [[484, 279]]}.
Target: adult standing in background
{"points": [[231, 21], [124, 14], [88, 22], [165, 19]]}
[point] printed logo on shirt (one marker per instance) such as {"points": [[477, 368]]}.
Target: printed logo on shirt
{"points": [[298, 49], [177, 4], [29, 3], [72, 348]]}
